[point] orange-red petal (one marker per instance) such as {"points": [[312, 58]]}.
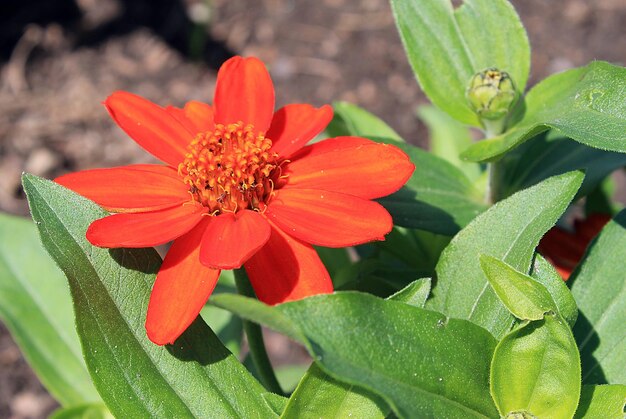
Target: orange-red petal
{"points": [[145, 229], [349, 165], [180, 116], [326, 218], [286, 269], [196, 116], [150, 125], [244, 92], [181, 288], [230, 239], [134, 188], [201, 115], [295, 125]]}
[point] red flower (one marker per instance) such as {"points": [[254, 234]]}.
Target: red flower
{"points": [[565, 249], [239, 188]]}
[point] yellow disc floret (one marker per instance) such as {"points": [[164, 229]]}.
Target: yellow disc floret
{"points": [[230, 169]]}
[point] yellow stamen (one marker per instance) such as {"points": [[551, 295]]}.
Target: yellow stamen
{"points": [[230, 169]]}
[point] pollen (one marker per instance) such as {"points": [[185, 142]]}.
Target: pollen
{"points": [[230, 169]]}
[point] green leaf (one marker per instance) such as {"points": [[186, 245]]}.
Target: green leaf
{"points": [[524, 297], [414, 294], [448, 138], [544, 273], [600, 200], [227, 327], [275, 402], [110, 288], [446, 47], [83, 411], [510, 231], [420, 362], [536, 369], [602, 402], [36, 307], [599, 287], [437, 198], [350, 119], [552, 154], [320, 396], [586, 104], [335, 259]]}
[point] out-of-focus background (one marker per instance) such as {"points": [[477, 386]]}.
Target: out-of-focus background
{"points": [[60, 58]]}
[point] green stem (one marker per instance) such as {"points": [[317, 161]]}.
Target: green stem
{"points": [[255, 339], [493, 129], [494, 182]]}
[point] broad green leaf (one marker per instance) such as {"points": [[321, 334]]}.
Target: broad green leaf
{"points": [[524, 297], [544, 273], [350, 119], [437, 198], [552, 154], [448, 138], [585, 104], [602, 402], [599, 287], [36, 307], [446, 47], [195, 377], [83, 411], [420, 362], [320, 396], [536, 369], [510, 231], [417, 249]]}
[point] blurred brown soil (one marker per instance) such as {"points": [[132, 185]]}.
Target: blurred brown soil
{"points": [[53, 83]]}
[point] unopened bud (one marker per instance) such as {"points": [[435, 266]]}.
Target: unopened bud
{"points": [[491, 94]]}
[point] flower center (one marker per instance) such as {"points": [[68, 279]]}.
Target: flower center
{"points": [[230, 169]]}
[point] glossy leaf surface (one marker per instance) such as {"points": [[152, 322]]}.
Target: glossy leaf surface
{"points": [[536, 369], [509, 231], [552, 154], [318, 394], [602, 402], [524, 297], [599, 287], [544, 273], [421, 363]]}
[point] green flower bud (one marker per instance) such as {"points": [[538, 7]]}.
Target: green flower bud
{"points": [[520, 415], [491, 94]]}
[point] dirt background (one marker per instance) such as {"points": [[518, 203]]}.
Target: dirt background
{"points": [[60, 58]]}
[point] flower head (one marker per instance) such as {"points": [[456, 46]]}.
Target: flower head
{"points": [[565, 249], [491, 94], [239, 188]]}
